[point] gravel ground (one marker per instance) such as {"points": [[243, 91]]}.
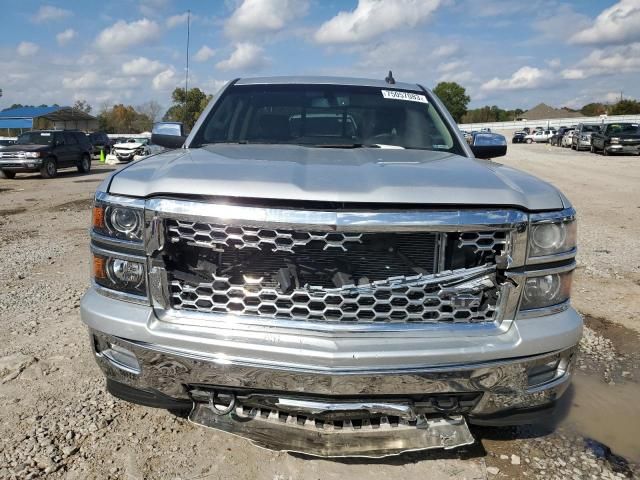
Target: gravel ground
{"points": [[57, 421]]}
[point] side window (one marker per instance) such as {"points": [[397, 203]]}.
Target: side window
{"points": [[58, 139], [70, 139], [81, 138]]}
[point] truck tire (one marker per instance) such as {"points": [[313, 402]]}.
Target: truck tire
{"points": [[85, 164], [529, 140], [49, 168], [7, 175]]}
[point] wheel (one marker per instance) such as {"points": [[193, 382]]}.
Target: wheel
{"points": [[605, 152], [529, 140], [49, 168], [592, 149], [573, 147], [85, 164], [7, 175]]}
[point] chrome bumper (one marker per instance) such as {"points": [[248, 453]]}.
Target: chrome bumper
{"points": [[20, 163]]}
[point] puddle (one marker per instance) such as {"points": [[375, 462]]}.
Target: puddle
{"points": [[607, 413]]}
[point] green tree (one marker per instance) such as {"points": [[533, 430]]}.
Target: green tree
{"points": [[454, 97], [593, 109], [625, 107], [124, 119], [187, 108], [82, 105]]}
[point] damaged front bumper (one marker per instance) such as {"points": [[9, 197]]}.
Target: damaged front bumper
{"points": [[340, 412]]}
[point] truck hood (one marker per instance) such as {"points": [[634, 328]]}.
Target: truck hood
{"points": [[127, 145], [25, 148], [362, 175]]}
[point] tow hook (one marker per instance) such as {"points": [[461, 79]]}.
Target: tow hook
{"points": [[221, 404]]}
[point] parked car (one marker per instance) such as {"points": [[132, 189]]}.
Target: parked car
{"points": [[336, 293], [519, 137], [567, 139], [540, 136], [100, 142], [556, 137], [617, 138], [582, 136], [134, 148], [46, 151]]}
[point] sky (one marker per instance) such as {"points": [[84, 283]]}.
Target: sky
{"points": [[510, 53]]}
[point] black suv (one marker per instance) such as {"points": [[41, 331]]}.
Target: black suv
{"points": [[46, 151], [100, 141], [617, 138]]}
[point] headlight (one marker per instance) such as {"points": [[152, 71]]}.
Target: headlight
{"points": [[31, 154], [546, 290], [615, 140], [552, 234], [118, 217], [120, 274]]}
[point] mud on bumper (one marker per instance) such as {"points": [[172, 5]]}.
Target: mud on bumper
{"points": [[337, 412]]}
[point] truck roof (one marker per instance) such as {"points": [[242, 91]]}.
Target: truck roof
{"points": [[320, 80]]}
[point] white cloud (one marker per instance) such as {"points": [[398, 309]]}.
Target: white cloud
{"points": [[48, 13], [87, 80], [141, 66], [176, 20], [523, 79], [122, 35], [65, 37], [373, 17], [151, 8], [606, 61], [463, 76], [213, 86], [246, 56], [166, 80], [204, 54], [27, 49], [450, 66], [260, 16], [446, 50], [618, 24], [573, 74], [554, 62]]}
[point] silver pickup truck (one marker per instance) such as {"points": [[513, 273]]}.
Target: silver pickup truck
{"points": [[326, 266]]}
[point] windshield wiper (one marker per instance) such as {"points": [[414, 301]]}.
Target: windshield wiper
{"points": [[359, 145]]}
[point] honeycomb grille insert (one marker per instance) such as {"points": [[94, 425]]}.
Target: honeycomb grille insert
{"points": [[218, 237], [420, 299]]}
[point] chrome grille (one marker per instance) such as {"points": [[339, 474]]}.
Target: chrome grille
{"points": [[468, 295], [217, 237]]}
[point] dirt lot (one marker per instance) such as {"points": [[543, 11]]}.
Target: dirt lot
{"points": [[57, 422]]}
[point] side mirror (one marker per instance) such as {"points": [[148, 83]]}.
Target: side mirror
{"points": [[168, 134], [489, 145]]}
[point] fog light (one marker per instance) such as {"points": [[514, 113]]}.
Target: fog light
{"points": [[121, 358]]}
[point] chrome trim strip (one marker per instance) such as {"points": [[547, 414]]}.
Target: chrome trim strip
{"points": [[409, 220], [115, 294], [119, 200], [124, 256], [126, 368], [538, 272], [297, 369], [566, 215], [558, 257], [115, 242], [541, 312]]}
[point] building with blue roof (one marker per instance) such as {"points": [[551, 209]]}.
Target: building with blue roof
{"points": [[40, 118]]}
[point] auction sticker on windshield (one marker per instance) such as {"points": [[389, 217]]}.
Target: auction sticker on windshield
{"points": [[411, 97]]}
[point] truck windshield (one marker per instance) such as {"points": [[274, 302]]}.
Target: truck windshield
{"points": [[35, 138], [327, 116], [628, 128]]}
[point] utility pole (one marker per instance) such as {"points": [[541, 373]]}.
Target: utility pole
{"points": [[186, 77]]}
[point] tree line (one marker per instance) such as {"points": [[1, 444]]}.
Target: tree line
{"points": [[187, 106]]}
